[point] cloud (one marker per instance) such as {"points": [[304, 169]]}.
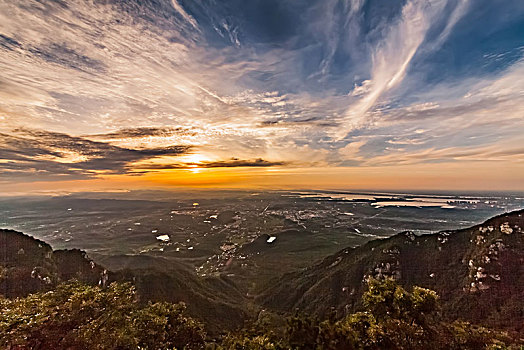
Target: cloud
{"points": [[43, 154], [392, 56], [143, 132], [478, 110], [230, 163], [39, 154], [184, 14], [488, 154], [114, 84], [233, 163]]}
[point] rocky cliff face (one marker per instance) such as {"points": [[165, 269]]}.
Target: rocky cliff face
{"points": [[28, 265], [478, 272]]}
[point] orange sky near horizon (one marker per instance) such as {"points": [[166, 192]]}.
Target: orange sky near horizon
{"points": [[472, 176]]}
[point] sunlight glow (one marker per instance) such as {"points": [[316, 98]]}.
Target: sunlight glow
{"points": [[194, 158]]}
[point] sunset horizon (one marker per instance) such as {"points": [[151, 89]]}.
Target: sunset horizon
{"points": [[261, 174], [194, 94]]}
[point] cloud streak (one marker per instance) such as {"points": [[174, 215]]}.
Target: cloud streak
{"points": [[36, 153], [112, 84], [47, 155], [230, 163], [392, 56]]}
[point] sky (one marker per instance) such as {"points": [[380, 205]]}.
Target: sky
{"points": [[319, 94]]}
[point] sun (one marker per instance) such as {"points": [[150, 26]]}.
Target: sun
{"points": [[194, 159], [194, 168]]}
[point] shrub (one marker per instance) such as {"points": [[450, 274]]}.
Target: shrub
{"points": [[76, 316]]}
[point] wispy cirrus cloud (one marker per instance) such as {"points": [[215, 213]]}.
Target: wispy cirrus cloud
{"points": [[392, 56], [323, 83]]}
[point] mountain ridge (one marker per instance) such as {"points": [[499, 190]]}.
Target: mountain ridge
{"points": [[29, 265], [478, 273]]}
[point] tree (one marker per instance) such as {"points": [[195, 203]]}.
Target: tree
{"points": [[394, 318], [76, 316]]}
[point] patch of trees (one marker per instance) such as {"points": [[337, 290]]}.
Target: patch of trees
{"points": [[75, 316], [393, 319]]}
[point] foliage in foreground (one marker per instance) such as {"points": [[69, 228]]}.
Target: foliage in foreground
{"points": [[393, 319], [75, 316]]}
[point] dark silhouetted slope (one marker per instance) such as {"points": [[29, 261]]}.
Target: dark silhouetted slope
{"points": [[28, 265], [478, 272], [215, 300]]}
